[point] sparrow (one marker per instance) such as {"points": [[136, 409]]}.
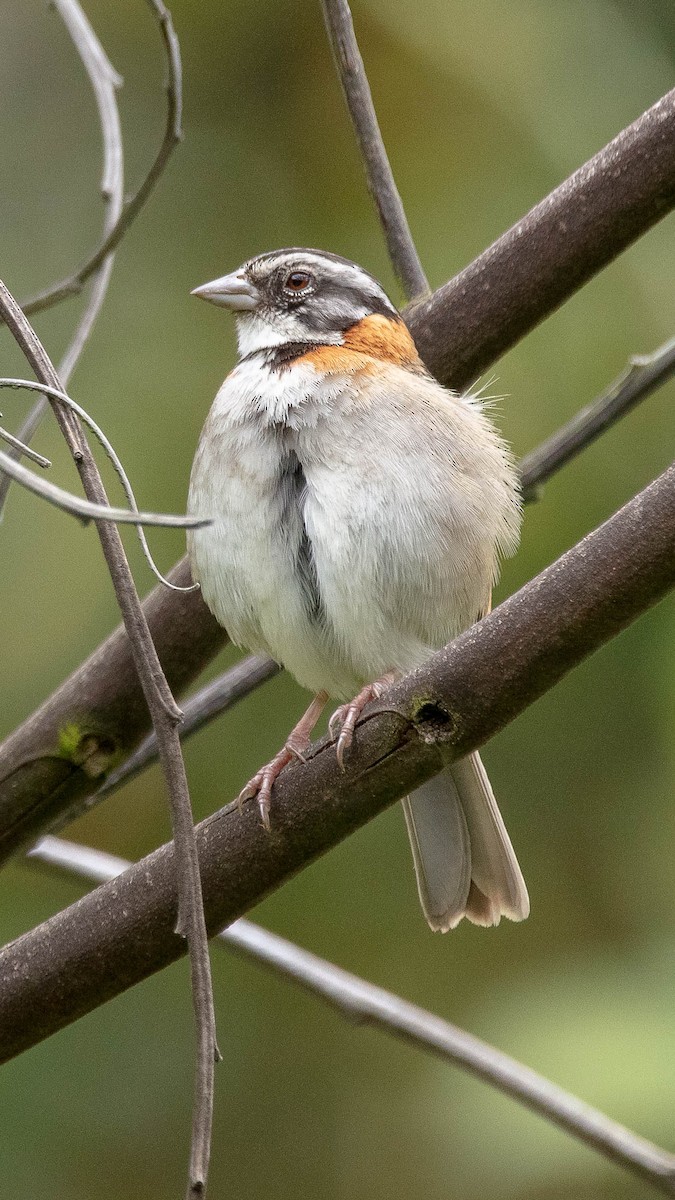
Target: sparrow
{"points": [[358, 514]]}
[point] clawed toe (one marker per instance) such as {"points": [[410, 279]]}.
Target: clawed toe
{"points": [[346, 716], [262, 783], [343, 743], [336, 720], [296, 747]]}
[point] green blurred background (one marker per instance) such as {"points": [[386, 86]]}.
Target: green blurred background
{"points": [[484, 109]]}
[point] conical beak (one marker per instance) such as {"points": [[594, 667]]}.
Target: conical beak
{"points": [[234, 291]]}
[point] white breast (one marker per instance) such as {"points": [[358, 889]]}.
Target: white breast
{"points": [[254, 562], [355, 528]]}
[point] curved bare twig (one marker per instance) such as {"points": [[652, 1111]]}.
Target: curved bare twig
{"points": [[185, 522], [104, 81], [74, 283]]}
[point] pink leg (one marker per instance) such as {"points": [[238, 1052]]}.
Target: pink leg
{"points": [[296, 746], [347, 715]]}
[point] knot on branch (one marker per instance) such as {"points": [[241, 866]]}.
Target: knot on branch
{"points": [[94, 753], [433, 722]]}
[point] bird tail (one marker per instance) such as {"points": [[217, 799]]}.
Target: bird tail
{"points": [[464, 861]]}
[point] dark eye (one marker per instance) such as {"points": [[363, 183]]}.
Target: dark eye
{"points": [[297, 282]]}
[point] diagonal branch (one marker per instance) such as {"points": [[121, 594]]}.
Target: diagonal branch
{"points": [[379, 175], [123, 931], [43, 772], [644, 373], [221, 694], [357, 999]]}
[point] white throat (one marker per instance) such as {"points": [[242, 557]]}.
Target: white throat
{"points": [[256, 333]]}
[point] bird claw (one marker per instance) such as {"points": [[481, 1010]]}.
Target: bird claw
{"points": [[347, 715], [336, 720], [262, 783]]}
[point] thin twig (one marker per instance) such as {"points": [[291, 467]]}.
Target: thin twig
{"points": [[165, 718], [26, 451], [644, 374], [74, 283], [85, 509], [221, 694], [64, 398], [379, 175], [357, 998], [104, 81]]}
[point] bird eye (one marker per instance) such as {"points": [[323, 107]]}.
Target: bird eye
{"points": [[297, 281]]}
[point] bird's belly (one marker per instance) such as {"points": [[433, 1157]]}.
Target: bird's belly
{"points": [[253, 591], [256, 573]]}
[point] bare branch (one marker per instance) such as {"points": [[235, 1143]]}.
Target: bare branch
{"points": [[104, 81], [23, 449], [172, 136], [185, 522], [645, 373], [165, 717], [39, 780], [85, 509], [124, 931], [356, 998], [559, 245], [379, 175]]}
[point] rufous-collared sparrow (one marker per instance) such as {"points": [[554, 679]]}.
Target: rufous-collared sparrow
{"points": [[358, 513]]}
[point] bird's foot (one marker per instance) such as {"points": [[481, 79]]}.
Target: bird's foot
{"points": [[296, 746], [345, 717]]}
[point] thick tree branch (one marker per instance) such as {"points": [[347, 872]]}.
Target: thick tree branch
{"points": [[359, 1000], [124, 930], [97, 717], [214, 698]]}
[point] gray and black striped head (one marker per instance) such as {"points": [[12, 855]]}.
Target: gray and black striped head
{"points": [[297, 295]]}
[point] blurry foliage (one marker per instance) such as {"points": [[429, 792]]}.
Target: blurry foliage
{"points": [[484, 108]]}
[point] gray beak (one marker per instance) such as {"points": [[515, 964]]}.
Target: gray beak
{"points": [[230, 291]]}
